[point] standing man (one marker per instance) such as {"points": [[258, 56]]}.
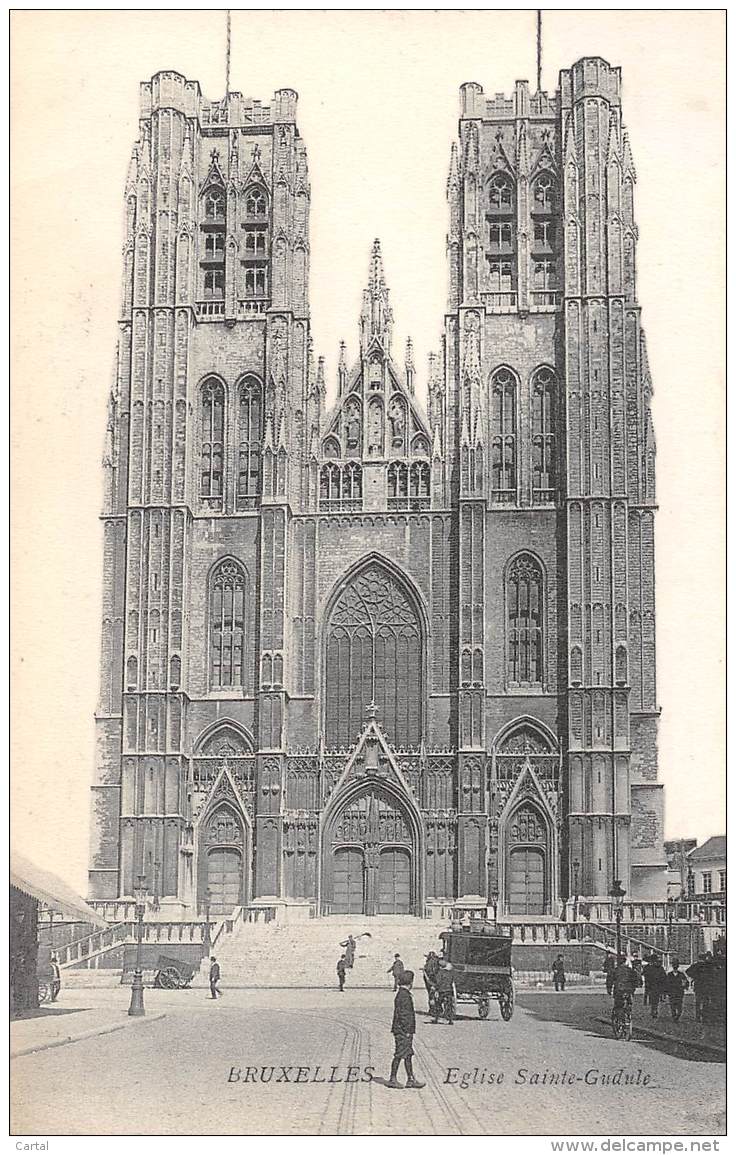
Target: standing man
{"points": [[445, 1003], [396, 969], [55, 983], [609, 966], [558, 973], [677, 984], [349, 955], [638, 968], [403, 1028], [341, 966], [656, 980], [431, 970], [697, 973], [214, 978]]}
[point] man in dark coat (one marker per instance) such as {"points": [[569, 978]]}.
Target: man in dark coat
{"points": [[403, 1028], [445, 1003], [55, 983], [609, 966], [655, 982], [214, 978], [431, 968], [558, 973], [341, 966], [396, 969], [677, 984]]}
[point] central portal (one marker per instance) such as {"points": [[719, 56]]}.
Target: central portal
{"points": [[370, 857]]}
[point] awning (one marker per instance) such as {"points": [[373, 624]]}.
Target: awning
{"points": [[51, 891]]}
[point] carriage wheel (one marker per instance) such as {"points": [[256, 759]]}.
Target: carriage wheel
{"points": [[506, 1002], [484, 1008], [169, 978]]}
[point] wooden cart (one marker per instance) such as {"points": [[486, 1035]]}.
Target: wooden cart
{"points": [[481, 962]]}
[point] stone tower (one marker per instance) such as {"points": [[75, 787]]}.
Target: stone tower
{"points": [[377, 659]]}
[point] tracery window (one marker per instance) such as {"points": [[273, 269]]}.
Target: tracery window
{"points": [[212, 438], [249, 441], [341, 486], [212, 250], [214, 205], [504, 386], [408, 485], [501, 253], [373, 654], [256, 204], [227, 625], [524, 603], [255, 244], [544, 428], [544, 281]]}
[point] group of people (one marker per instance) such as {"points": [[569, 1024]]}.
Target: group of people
{"points": [[624, 978]]}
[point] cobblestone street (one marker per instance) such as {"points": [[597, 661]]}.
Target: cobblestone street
{"points": [[207, 1068]]}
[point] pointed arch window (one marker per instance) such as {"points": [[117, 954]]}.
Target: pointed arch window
{"points": [[255, 248], [504, 391], [373, 654], [227, 625], [501, 251], [544, 431], [544, 275], [525, 610], [212, 249], [213, 436], [249, 441]]}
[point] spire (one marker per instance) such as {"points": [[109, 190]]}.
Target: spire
{"points": [[376, 318], [342, 371], [321, 376], [409, 365]]}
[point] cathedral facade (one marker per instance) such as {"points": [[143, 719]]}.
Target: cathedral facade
{"points": [[377, 659]]}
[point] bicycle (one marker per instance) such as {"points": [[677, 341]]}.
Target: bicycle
{"points": [[621, 1017]]}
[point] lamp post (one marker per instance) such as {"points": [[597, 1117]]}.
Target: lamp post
{"points": [[670, 917], [575, 872], [136, 991], [207, 903], [156, 903], [617, 894], [494, 904]]}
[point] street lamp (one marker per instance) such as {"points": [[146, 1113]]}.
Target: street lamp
{"points": [[494, 904], [617, 894], [136, 991], [207, 904], [576, 872], [670, 917], [156, 903]]}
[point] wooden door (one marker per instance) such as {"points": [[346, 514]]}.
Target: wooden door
{"points": [[348, 893], [394, 882], [526, 881], [224, 875]]}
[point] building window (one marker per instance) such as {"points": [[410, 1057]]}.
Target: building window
{"points": [[373, 656], [341, 487], [254, 244], [249, 440], [212, 434], [524, 601], [227, 625], [408, 485], [544, 234], [214, 246], [543, 194], [544, 422], [501, 215], [707, 882], [214, 284], [544, 282], [722, 881], [503, 436], [255, 281], [256, 203], [544, 275], [214, 205]]}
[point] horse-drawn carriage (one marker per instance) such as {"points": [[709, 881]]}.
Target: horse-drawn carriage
{"points": [[480, 955]]}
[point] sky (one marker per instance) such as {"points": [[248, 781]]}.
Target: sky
{"points": [[378, 108]]}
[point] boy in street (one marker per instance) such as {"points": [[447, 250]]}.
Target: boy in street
{"points": [[341, 967], [403, 1028]]}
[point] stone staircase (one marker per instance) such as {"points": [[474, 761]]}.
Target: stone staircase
{"points": [[305, 954]]}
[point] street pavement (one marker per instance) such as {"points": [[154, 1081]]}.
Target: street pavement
{"points": [[299, 1062]]}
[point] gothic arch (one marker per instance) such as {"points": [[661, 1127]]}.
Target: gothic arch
{"points": [[371, 636], [223, 849], [525, 635], [230, 632], [374, 800], [527, 849], [526, 721], [223, 727]]}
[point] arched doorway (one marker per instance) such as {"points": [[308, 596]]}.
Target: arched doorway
{"points": [[223, 860], [527, 864], [370, 862]]}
